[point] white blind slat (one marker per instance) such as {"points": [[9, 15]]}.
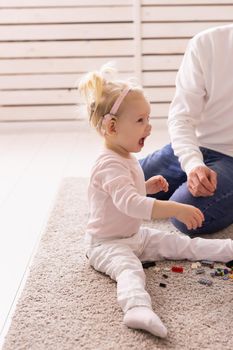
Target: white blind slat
{"points": [[187, 13], [176, 30], [62, 3], [66, 15], [73, 65], [66, 31], [67, 48]]}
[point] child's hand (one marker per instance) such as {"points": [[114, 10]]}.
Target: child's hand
{"points": [[191, 216], [156, 184]]}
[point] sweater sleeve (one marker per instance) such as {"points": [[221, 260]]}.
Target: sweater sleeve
{"points": [[186, 108], [117, 181]]}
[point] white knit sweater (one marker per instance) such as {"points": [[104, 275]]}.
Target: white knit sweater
{"points": [[201, 113]]}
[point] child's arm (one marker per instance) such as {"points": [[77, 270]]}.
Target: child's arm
{"points": [[191, 216], [156, 184], [116, 181]]}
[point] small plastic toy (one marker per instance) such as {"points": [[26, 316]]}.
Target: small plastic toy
{"points": [[146, 264], [219, 273], [205, 281], [200, 271], [195, 265], [163, 285], [225, 278], [208, 263], [229, 264], [178, 269], [165, 276]]}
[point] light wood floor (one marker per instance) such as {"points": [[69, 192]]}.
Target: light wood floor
{"points": [[34, 158]]}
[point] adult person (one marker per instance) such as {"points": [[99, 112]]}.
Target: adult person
{"points": [[198, 164]]}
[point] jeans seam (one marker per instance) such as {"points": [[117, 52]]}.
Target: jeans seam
{"points": [[217, 199]]}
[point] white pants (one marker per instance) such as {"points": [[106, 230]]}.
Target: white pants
{"points": [[121, 259]]}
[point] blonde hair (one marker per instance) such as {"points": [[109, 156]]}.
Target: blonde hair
{"points": [[100, 92]]}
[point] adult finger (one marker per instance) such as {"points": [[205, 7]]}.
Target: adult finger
{"points": [[204, 177], [213, 178], [198, 190], [201, 191]]}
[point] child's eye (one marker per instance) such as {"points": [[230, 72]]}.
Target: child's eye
{"points": [[141, 120]]}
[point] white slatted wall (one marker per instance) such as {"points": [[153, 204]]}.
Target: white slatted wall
{"points": [[46, 45]]}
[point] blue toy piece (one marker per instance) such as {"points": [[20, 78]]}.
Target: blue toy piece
{"points": [[225, 278]]}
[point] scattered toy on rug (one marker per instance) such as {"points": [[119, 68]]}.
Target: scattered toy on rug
{"points": [[221, 270]]}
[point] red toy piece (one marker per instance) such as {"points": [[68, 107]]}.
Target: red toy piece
{"points": [[177, 269]]}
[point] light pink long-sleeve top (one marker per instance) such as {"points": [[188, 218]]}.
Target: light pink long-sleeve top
{"points": [[117, 197]]}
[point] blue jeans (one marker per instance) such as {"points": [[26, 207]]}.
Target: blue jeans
{"points": [[217, 209]]}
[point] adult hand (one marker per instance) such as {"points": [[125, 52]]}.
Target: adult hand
{"points": [[202, 181]]}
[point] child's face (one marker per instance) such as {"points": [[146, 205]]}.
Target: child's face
{"points": [[132, 126]]}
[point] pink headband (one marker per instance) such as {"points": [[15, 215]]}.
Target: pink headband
{"points": [[118, 102], [116, 105]]}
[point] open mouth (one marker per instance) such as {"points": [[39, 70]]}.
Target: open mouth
{"points": [[141, 141]]}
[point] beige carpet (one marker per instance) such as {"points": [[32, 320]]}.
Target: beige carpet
{"points": [[67, 305]]}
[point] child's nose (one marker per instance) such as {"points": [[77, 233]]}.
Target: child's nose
{"points": [[148, 127]]}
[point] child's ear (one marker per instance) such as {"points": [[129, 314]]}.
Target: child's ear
{"points": [[111, 126]]}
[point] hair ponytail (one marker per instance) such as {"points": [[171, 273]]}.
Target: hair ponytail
{"points": [[91, 88]]}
